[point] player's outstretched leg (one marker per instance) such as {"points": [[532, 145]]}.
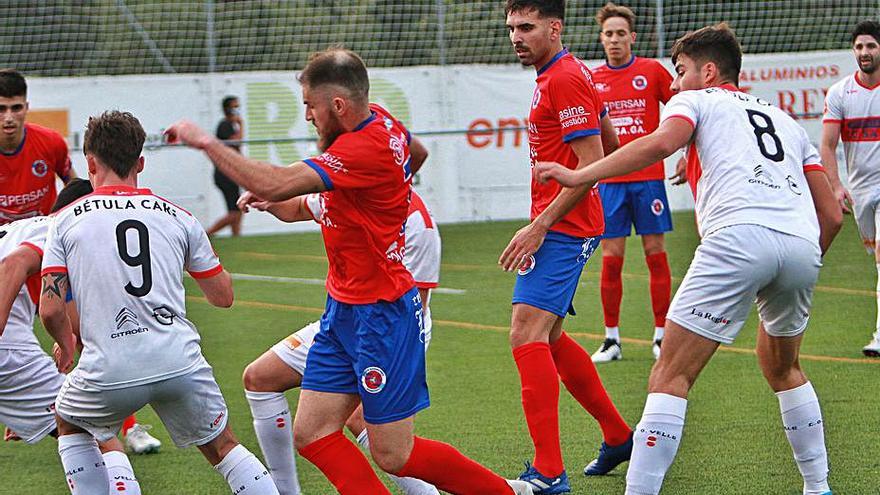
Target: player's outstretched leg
{"points": [[265, 381], [799, 405], [658, 434], [244, 473], [122, 478], [410, 486], [81, 459], [579, 375]]}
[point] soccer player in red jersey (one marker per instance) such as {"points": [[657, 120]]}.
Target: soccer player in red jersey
{"points": [[565, 123], [30, 155], [633, 89], [369, 349]]}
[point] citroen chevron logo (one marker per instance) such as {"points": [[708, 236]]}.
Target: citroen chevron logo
{"points": [[124, 316]]}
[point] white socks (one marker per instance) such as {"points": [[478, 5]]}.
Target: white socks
{"points": [[245, 473], [122, 479], [83, 464], [612, 333], [273, 425], [802, 420], [410, 486], [655, 443], [658, 333]]}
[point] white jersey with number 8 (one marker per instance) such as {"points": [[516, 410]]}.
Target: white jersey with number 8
{"points": [[746, 163], [125, 251]]}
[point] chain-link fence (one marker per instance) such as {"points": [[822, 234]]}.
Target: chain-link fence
{"points": [[112, 37]]}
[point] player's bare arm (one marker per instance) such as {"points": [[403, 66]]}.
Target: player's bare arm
{"points": [[265, 180], [828, 152], [827, 207], [14, 271], [418, 154], [610, 141], [672, 135], [53, 313], [217, 289], [528, 239], [291, 210]]}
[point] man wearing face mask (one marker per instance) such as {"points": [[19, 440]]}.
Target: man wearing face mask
{"points": [[230, 128]]}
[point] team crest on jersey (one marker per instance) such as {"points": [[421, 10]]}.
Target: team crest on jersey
{"points": [[640, 82], [373, 379], [39, 168], [536, 98], [527, 266], [657, 207]]}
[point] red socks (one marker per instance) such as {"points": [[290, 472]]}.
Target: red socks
{"points": [[611, 288], [540, 399], [344, 465], [661, 286], [128, 424], [449, 470], [578, 374]]}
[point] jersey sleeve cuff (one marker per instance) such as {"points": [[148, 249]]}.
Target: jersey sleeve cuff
{"points": [[427, 285], [34, 247], [53, 269], [810, 167], [682, 117], [323, 173], [832, 121], [571, 136], [206, 273]]}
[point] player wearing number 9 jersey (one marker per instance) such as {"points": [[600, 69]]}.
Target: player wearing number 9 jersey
{"points": [[122, 250], [766, 213]]}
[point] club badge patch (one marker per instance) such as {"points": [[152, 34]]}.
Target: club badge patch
{"points": [[373, 379], [39, 168], [527, 266], [657, 207]]}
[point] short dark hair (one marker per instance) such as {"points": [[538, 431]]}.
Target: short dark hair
{"points": [[227, 102], [545, 8], [716, 44], [116, 139], [871, 28], [12, 83], [74, 190], [611, 9], [340, 67]]}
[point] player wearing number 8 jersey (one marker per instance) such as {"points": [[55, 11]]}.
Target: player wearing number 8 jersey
{"points": [[122, 251], [765, 212]]}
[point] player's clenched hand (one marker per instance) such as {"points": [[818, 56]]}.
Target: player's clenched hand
{"points": [[525, 243], [546, 171], [249, 200], [843, 198], [680, 175], [63, 357], [188, 133]]}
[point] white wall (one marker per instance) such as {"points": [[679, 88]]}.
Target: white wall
{"points": [[480, 177]]}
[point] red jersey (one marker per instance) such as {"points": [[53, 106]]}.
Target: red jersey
{"points": [[565, 107], [367, 174], [27, 175], [632, 94]]}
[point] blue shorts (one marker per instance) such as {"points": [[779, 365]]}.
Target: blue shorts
{"points": [[642, 204], [550, 278], [374, 350]]}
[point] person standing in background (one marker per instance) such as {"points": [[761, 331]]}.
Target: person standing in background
{"points": [[230, 128]]}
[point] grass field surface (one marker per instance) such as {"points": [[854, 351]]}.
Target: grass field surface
{"points": [[733, 441]]}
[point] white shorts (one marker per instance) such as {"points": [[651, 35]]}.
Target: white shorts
{"points": [[190, 406], [29, 383], [867, 215], [743, 263], [294, 349], [422, 254]]}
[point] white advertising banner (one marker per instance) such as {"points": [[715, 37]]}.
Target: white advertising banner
{"points": [[482, 175]]}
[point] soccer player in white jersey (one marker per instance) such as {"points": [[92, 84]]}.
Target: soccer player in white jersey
{"points": [[122, 252], [29, 379], [766, 213], [282, 367], [852, 114]]}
